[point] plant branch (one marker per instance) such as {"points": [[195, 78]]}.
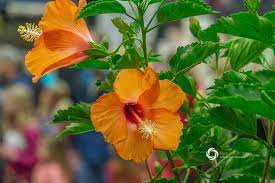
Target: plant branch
{"points": [[171, 162], [152, 18], [149, 171]]}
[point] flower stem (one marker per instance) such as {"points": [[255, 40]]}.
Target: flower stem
{"points": [[170, 159], [149, 171]]}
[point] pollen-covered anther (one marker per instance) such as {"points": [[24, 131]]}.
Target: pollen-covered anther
{"points": [[147, 129], [29, 32]]}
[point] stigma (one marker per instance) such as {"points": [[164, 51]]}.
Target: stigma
{"points": [[147, 129], [29, 32]]}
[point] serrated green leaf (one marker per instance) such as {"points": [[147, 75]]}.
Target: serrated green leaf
{"points": [[165, 75], [101, 7], [189, 56], [91, 63], [243, 51], [233, 120], [76, 128], [244, 164], [243, 24], [121, 25], [250, 146], [130, 59], [243, 92], [187, 83], [181, 9], [78, 113], [78, 117]]}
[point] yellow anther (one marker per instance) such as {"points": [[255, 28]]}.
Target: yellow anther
{"points": [[147, 129], [29, 32]]}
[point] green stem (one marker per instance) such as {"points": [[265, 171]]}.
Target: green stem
{"points": [[160, 172], [267, 162], [150, 21], [186, 175], [270, 135], [144, 34], [149, 171], [171, 162]]}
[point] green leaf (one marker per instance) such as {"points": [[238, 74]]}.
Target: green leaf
{"points": [[243, 24], [243, 92], [122, 26], [243, 51], [165, 181], [91, 63], [154, 1], [233, 120], [241, 179], [130, 59], [189, 56], [78, 117], [76, 128], [165, 75], [101, 7], [252, 5], [78, 113], [250, 146], [187, 83], [107, 85], [241, 164], [181, 9], [97, 50], [270, 16]]}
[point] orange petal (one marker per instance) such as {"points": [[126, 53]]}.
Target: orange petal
{"points": [[107, 115], [130, 84], [134, 147], [40, 60], [168, 127], [61, 15], [151, 94], [171, 96], [61, 40]]}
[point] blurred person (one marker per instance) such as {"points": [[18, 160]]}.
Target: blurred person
{"points": [[20, 133], [10, 65], [54, 96], [53, 166]]}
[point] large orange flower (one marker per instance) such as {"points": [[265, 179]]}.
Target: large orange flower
{"points": [[140, 115], [62, 41]]}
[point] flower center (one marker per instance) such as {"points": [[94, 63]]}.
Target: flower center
{"points": [[30, 32], [133, 112], [135, 115], [147, 129]]}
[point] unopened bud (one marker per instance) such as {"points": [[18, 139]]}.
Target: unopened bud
{"points": [[194, 26]]}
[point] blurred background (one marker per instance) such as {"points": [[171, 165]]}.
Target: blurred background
{"points": [[29, 150]]}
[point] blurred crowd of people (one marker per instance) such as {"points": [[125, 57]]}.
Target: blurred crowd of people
{"points": [[29, 150]]}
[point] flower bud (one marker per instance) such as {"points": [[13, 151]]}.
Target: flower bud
{"points": [[194, 26]]}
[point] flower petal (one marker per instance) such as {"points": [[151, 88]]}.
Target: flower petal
{"points": [[40, 60], [61, 40], [61, 15], [134, 147], [130, 84], [169, 129], [171, 96], [107, 115], [151, 94]]}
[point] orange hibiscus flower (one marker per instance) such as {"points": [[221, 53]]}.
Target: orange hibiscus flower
{"points": [[61, 41], [140, 115]]}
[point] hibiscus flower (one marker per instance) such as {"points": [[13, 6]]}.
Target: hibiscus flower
{"points": [[60, 39], [140, 115]]}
